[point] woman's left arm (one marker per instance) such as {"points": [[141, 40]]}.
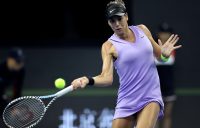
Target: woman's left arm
{"points": [[159, 48]]}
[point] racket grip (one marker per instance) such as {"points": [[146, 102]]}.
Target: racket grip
{"points": [[64, 91]]}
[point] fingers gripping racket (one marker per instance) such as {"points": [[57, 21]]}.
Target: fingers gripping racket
{"points": [[27, 111]]}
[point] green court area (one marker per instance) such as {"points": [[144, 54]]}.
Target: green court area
{"points": [[101, 92]]}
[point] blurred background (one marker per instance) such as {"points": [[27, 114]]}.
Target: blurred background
{"points": [[64, 38]]}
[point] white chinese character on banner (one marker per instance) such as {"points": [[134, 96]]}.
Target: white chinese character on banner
{"points": [[105, 118], [87, 119], [68, 119]]}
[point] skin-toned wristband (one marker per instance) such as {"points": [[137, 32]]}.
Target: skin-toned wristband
{"points": [[163, 58]]}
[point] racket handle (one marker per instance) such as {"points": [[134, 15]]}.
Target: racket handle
{"points": [[64, 91]]}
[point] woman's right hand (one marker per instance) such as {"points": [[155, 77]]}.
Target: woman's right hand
{"points": [[80, 82]]}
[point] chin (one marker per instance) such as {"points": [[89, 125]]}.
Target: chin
{"points": [[121, 33]]}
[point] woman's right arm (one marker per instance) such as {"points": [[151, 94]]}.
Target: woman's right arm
{"points": [[105, 78]]}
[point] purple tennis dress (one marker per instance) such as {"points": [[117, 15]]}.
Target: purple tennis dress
{"points": [[139, 80]]}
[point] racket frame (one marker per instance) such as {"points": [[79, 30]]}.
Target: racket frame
{"points": [[39, 98]]}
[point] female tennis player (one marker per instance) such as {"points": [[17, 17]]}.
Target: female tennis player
{"points": [[131, 51]]}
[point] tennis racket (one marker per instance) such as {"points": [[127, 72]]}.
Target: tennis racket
{"points": [[28, 111]]}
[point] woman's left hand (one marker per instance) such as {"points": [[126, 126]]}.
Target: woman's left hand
{"points": [[169, 45]]}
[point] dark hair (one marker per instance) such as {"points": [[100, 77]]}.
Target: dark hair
{"points": [[17, 54], [165, 27]]}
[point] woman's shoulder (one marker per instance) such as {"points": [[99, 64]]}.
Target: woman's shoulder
{"points": [[144, 29], [108, 47], [141, 26], [107, 44], [137, 25]]}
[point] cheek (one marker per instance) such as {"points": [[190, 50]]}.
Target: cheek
{"points": [[125, 22], [111, 26]]}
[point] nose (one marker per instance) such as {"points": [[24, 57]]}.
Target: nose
{"points": [[116, 23]]}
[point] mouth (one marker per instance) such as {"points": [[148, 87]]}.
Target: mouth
{"points": [[118, 29]]}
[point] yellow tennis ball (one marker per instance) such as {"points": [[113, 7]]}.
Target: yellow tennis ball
{"points": [[60, 83]]}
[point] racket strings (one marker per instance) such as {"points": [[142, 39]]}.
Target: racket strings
{"points": [[17, 103], [23, 115], [24, 112]]}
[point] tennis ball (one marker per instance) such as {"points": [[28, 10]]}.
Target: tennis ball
{"points": [[60, 83]]}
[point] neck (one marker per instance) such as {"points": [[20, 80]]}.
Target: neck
{"points": [[127, 35]]}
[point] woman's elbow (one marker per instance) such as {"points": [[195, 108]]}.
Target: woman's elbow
{"points": [[110, 81]]}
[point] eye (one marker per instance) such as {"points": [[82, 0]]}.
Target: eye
{"points": [[114, 19], [119, 18]]}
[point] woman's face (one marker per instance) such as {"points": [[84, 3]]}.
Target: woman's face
{"points": [[118, 24]]}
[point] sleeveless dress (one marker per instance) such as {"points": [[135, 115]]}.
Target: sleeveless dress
{"points": [[138, 76]]}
